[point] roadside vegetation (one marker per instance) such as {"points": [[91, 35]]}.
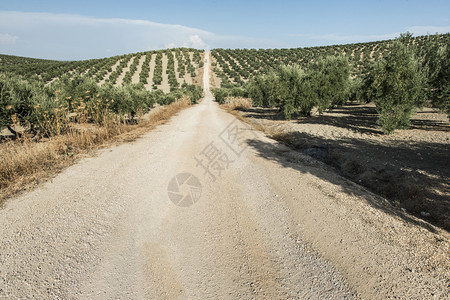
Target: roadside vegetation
{"points": [[51, 120], [399, 76], [53, 123], [31, 108]]}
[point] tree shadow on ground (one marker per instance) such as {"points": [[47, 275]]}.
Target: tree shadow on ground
{"points": [[357, 118], [354, 116], [429, 125], [418, 183], [264, 113]]}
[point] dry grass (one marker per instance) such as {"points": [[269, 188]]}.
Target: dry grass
{"points": [[25, 163], [233, 103]]}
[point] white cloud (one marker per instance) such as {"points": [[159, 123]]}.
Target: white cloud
{"points": [[66, 36], [194, 41], [6, 38], [197, 42], [171, 45]]}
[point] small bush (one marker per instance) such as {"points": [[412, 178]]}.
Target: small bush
{"points": [[221, 94]]}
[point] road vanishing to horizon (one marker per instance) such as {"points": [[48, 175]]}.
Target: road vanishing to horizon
{"points": [[206, 207]]}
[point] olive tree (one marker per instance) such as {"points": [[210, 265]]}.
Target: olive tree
{"points": [[332, 80], [397, 87], [436, 66], [290, 89]]}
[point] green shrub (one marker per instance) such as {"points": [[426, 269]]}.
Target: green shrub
{"points": [[194, 92], [32, 105], [436, 65], [264, 90], [15, 104], [75, 90], [290, 89], [308, 94], [220, 94], [333, 78], [127, 100], [365, 92], [397, 87]]}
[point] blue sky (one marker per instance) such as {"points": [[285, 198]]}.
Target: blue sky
{"points": [[91, 29]]}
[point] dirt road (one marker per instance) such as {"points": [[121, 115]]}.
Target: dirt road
{"points": [[204, 207]]}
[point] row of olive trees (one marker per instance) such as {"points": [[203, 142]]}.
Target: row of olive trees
{"points": [[170, 71], [48, 109], [243, 63], [399, 83], [157, 73], [145, 71], [116, 73], [406, 78], [133, 68], [296, 90]]}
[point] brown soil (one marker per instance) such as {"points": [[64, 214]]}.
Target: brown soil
{"points": [[135, 78], [410, 168], [164, 86], [148, 86]]}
